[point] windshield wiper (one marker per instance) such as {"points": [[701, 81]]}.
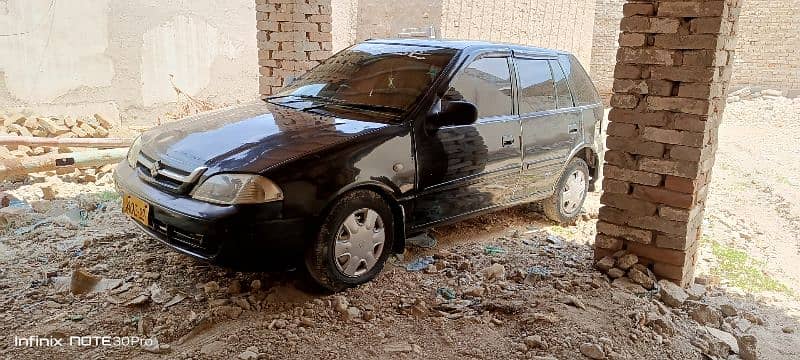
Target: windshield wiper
{"points": [[374, 107]]}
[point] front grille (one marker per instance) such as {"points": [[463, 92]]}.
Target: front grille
{"points": [[188, 240], [165, 176]]}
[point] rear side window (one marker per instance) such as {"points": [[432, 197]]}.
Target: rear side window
{"points": [[486, 83], [582, 88], [563, 96], [536, 87]]}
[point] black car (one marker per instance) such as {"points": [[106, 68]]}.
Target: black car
{"points": [[381, 142]]}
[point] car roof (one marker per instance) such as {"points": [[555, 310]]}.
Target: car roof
{"points": [[467, 45]]}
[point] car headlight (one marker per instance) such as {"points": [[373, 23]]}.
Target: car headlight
{"points": [[133, 151], [230, 189]]}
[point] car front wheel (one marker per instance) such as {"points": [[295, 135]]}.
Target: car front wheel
{"points": [[353, 243], [565, 205]]}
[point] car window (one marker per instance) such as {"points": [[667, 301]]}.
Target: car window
{"points": [[583, 90], [536, 87], [563, 96], [486, 83]]}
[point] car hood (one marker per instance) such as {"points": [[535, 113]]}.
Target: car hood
{"points": [[248, 138]]}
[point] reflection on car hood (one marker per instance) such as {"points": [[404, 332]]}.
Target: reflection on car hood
{"points": [[248, 138]]}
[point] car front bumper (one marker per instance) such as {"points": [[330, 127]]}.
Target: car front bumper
{"points": [[252, 234]]}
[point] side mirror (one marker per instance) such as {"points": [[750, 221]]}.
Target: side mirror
{"points": [[455, 113]]}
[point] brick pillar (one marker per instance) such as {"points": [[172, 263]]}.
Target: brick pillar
{"points": [[673, 68], [293, 37]]}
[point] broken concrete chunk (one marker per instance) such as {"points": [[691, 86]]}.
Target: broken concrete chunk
{"points": [[672, 294]]}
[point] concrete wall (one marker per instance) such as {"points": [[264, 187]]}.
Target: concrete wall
{"points": [[565, 25], [116, 57], [767, 54]]}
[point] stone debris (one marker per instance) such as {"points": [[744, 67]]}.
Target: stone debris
{"points": [[624, 264], [725, 338], [592, 351], [672, 294]]}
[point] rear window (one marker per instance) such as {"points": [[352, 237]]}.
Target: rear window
{"points": [[583, 90], [536, 87]]}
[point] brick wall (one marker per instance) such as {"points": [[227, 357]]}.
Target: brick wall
{"points": [[565, 25], [767, 54], [293, 37]]}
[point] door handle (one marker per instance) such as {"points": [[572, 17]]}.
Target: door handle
{"points": [[573, 130], [507, 140]]}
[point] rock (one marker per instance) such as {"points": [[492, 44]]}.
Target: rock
{"points": [[696, 291], [152, 346], [353, 313], [495, 272], [228, 311], [626, 261], [672, 294], [572, 300], [340, 304], [788, 330], [706, 315], [534, 342], [729, 310], [475, 291], [255, 285], [82, 282], [724, 337], [247, 355], [627, 284], [402, 347], [210, 287], [158, 295], [605, 263], [747, 347], [235, 287], [641, 278], [592, 351], [616, 273]]}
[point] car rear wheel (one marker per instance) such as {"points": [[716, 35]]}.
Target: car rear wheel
{"points": [[565, 205], [353, 243]]}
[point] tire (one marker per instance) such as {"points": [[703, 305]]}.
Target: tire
{"points": [[346, 230], [562, 207]]}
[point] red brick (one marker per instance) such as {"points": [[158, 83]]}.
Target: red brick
{"points": [[644, 24], [623, 71], [690, 122], [679, 104], [700, 90], [634, 146], [687, 42], [662, 255], [680, 184], [669, 167], [684, 73], [608, 242], [663, 196], [624, 101], [622, 129], [631, 9], [638, 117], [676, 137], [638, 177], [634, 206], [674, 214], [629, 55], [632, 39], [658, 224], [684, 9], [621, 159], [688, 153], [615, 186], [705, 58], [624, 232]]}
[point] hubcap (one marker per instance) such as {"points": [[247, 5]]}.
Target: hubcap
{"points": [[359, 242], [573, 192]]}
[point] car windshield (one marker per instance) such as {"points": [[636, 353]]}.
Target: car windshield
{"points": [[382, 78]]}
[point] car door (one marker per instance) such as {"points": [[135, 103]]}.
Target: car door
{"points": [[550, 124], [464, 169]]}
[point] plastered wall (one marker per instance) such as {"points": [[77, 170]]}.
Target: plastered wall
{"points": [[117, 57]]}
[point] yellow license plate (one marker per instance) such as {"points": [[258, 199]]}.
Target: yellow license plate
{"points": [[136, 208]]}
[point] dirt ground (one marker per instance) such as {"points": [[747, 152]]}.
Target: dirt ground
{"points": [[505, 285]]}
